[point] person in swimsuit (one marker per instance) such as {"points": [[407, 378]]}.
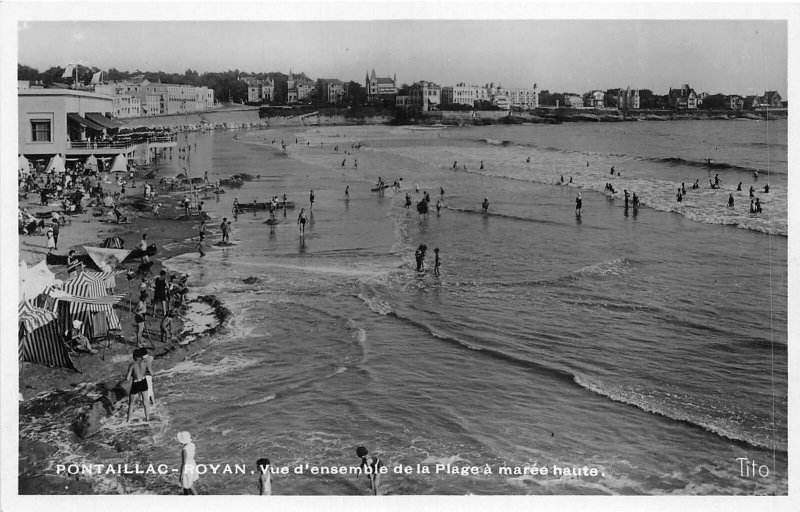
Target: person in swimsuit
{"points": [[311, 200], [160, 292], [578, 205], [436, 262], [485, 205], [301, 221], [138, 316], [225, 230], [149, 394], [372, 468], [419, 256], [730, 201], [347, 193], [136, 374]]}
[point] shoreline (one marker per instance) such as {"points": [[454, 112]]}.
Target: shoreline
{"points": [[76, 405], [248, 118]]}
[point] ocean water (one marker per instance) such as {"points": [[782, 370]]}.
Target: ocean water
{"points": [[650, 345]]}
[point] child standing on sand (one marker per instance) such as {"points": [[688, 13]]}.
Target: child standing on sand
{"points": [[51, 244], [166, 327]]}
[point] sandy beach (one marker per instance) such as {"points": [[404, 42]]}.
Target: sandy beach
{"points": [[78, 404]]}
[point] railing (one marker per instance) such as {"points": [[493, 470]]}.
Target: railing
{"points": [[121, 144], [100, 145]]}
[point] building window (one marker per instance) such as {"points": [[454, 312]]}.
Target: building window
{"points": [[40, 130]]}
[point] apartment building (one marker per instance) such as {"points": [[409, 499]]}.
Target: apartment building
{"points": [[425, 96]]}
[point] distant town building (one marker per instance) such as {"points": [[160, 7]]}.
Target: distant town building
{"points": [[628, 99], [253, 93], [260, 91], [335, 91], [402, 101], [298, 88], [770, 99], [526, 99], [683, 98], [379, 88], [134, 98], [594, 99], [573, 101], [462, 94], [291, 89], [425, 96], [734, 102]]}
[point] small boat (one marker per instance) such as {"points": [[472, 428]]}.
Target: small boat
{"points": [[289, 205]]}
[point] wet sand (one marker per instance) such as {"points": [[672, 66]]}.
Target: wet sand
{"points": [[64, 394]]}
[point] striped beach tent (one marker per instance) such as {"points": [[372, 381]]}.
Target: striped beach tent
{"points": [[109, 278], [31, 318], [41, 339], [87, 295], [114, 242]]}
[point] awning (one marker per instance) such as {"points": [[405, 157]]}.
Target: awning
{"points": [[85, 122], [102, 120]]}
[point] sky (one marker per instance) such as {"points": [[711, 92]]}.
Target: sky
{"points": [[728, 56]]}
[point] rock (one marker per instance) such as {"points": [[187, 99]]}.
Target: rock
{"points": [[87, 424], [122, 445]]}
